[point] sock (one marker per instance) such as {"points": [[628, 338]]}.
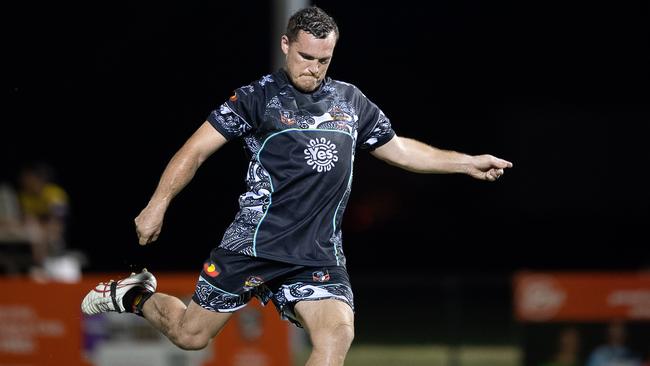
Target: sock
{"points": [[135, 298]]}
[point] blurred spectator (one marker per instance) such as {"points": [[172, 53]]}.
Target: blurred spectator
{"points": [[10, 214], [567, 349], [614, 352], [15, 245], [44, 206], [34, 217]]}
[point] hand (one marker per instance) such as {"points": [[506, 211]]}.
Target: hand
{"points": [[487, 167], [149, 222]]}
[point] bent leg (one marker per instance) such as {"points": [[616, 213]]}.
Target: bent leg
{"points": [[189, 327], [330, 324]]}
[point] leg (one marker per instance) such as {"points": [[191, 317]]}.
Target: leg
{"points": [[190, 328], [330, 324]]}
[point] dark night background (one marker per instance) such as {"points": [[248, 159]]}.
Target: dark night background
{"points": [[108, 93]]}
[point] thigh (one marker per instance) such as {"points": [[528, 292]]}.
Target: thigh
{"points": [[198, 320], [316, 290], [323, 314]]}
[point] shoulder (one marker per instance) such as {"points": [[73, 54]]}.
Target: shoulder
{"points": [[348, 90], [55, 194], [344, 86], [257, 88]]}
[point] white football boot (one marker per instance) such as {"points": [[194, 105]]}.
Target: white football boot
{"points": [[108, 296]]}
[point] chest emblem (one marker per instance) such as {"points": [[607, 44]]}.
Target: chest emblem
{"points": [[321, 154], [286, 117]]}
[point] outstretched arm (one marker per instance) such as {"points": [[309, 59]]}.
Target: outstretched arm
{"points": [[419, 157], [179, 172]]}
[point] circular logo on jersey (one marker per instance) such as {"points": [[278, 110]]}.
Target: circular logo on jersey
{"points": [[211, 269], [321, 154]]}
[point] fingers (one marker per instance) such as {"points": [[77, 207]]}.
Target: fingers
{"points": [[500, 163], [147, 231], [144, 239], [506, 164], [493, 174], [487, 161], [146, 236]]}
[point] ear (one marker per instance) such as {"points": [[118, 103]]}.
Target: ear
{"points": [[285, 44]]}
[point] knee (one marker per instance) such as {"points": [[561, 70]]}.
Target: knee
{"points": [[188, 341], [335, 337], [345, 332]]}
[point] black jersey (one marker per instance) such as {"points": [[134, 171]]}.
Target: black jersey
{"points": [[301, 148]]}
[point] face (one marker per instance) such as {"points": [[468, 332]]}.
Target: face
{"points": [[31, 182], [308, 59]]}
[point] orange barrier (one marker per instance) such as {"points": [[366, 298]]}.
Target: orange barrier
{"points": [[541, 297], [42, 324]]}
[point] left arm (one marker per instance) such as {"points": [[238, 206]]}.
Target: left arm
{"points": [[418, 157]]}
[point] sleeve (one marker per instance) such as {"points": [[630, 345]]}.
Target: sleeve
{"points": [[236, 117], [57, 200], [374, 127]]}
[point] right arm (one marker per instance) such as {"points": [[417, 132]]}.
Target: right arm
{"points": [[179, 172]]}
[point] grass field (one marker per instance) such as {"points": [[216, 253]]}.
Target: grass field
{"points": [[426, 355]]}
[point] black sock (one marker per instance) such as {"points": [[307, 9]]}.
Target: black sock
{"points": [[134, 299]]}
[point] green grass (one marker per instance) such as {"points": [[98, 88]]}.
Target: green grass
{"points": [[429, 355]]}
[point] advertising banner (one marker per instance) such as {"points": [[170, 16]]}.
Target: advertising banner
{"points": [[42, 324], [549, 297]]}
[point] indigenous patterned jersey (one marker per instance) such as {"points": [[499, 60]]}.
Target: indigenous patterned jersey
{"points": [[301, 148]]}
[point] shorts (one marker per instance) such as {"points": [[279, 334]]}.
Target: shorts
{"points": [[229, 280]]}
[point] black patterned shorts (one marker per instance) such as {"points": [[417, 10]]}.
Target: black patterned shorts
{"points": [[229, 280]]}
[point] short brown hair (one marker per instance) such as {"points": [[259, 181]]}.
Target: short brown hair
{"points": [[312, 20]]}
